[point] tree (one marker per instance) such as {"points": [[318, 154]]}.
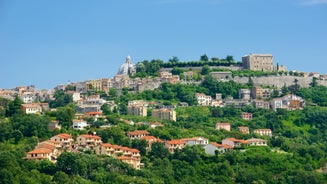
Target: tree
{"points": [[229, 58], [14, 107], [250, 82], [314, 82], [284, 90], [61, 99], [215, 59], [65, 116], [174, 59], [205, 70], [106, 109], [204, 58]]}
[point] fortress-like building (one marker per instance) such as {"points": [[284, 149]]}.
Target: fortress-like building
{"points": [[261, 62]]}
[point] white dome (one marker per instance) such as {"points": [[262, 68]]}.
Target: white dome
{"points": [[127, 67]]}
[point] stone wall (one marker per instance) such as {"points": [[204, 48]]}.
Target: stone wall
{"points": [[279, 81]]}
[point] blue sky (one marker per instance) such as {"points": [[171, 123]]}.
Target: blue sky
{"points": [[46, 42]]}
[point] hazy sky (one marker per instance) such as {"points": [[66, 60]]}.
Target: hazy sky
{"points": [[48, 42]]}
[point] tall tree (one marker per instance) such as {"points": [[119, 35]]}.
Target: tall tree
{"points": [[14, 107], [204, 57]]}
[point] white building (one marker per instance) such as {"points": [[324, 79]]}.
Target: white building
{"points": [[79, 124]]}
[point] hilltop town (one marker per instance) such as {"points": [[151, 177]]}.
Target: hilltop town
{"points": [[202, 112]]}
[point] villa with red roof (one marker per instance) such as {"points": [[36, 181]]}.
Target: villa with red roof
{"points": [[65, 140], [234, 142], [138, 134], [175, 144], [88, 141], [211, 148]]}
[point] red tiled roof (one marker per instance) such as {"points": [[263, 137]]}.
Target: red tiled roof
{"points": [[94, 113], [40, 151], [90, 136], [107, 145], [177, 142], [64, 136], [238, 140], [46, 146], [139, 132]]}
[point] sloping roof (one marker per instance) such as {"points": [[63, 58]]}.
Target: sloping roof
{"points": [[64, 136], [90, 136], [40, 151], [139, 132], [180, 141]]}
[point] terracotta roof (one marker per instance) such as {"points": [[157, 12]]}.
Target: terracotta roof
{"points": [[237, 140], [107, 145], [227, 146], [46, 146], [176, 142], [134, 150], [139, 132], [64, 136], [40, 151], [51, 141], [94, 113], [90, 136]]}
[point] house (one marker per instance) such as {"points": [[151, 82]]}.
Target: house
{"points": [[261, 104], [293, 102], [156, 124], [39, 154], [32, 108], [150, 140], [137, 110], [79, 124], [245, 94], [88, 141], [263, 132], [164, 114], [246, 115], [276, 103], [196, 141], [257, 142], [96, 115], [223, 126], [54, 125], [211, 148], [175, 144], [76, 95], [138, 134], [203, 99], [133, 162], [234, 142], [105, 149], [65, 140], [244, 129]]}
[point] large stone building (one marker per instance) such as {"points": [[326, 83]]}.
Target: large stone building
{"points": [[164, 114], [262, 62]]}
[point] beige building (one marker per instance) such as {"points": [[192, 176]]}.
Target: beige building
{"points": [[223, 126], [261, 62], [137, 110], [175, 144], [65, 140], [138, 134], [164, 114], [88, 141], [244, 129], [263, 132]]}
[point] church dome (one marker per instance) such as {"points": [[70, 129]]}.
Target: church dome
{"points": [[126, 68]]}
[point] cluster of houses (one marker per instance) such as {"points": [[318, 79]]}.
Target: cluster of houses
{"points": [[258, 97], [51, 149]]}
